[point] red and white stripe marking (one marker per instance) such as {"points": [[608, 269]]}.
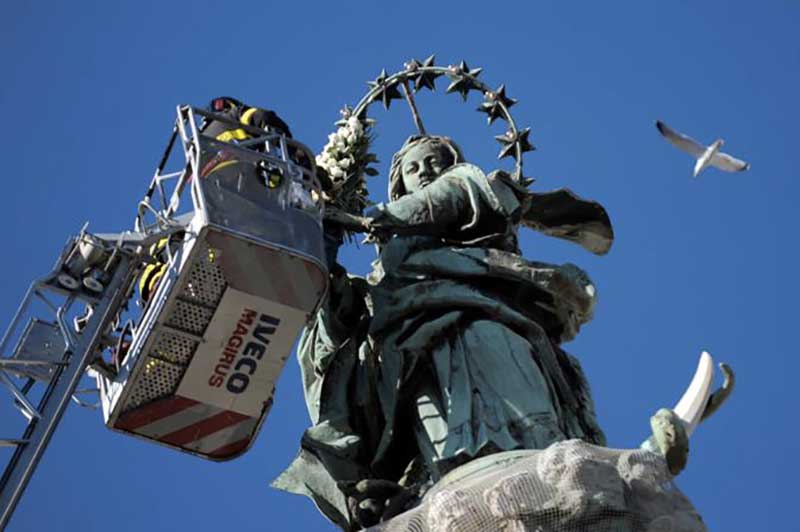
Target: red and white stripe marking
{"points": [[191, 425]]}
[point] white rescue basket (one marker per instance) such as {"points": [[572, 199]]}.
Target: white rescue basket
{"points": [[199, 374]]}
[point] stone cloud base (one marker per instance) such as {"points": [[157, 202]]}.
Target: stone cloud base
{"points": [[571, 486]]}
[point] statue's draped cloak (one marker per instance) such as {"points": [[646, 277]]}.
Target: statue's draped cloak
{"points": [[449, 350]]}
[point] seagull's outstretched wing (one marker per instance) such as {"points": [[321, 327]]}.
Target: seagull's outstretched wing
{"points": [[683, 142], [723, 161]]}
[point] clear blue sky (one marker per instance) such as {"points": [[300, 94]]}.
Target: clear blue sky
{"points": [[88, 94]]}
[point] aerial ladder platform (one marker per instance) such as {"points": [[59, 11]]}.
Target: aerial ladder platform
{"points": [[184, 322]]}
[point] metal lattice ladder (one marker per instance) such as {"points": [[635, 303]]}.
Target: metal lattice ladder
{"points": [[73, 317], [49, 357]]}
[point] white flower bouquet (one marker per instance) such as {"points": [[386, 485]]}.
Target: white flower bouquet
{"points": [[345, 158]]}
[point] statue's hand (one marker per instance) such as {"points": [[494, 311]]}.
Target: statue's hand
{"points": [[371, 501], [377, 235], [379, 224], [670, 439], [670, 436]]}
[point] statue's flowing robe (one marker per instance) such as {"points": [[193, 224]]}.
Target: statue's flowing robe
{"points": [[450, 350]]}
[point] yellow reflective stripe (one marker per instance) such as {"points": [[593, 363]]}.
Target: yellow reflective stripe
{"points": [[157, 277], [150, 277], [239, 134], [161, 244], [248, 115], [233, 134], [152, 272], [144, 280]]}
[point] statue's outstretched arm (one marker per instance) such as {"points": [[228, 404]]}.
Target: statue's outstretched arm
{"points": [[437, 209]]}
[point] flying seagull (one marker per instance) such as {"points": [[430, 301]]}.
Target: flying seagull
{"points": [[705, 155]]}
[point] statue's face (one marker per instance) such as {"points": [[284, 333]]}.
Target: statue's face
{"points": [[424, 163]]}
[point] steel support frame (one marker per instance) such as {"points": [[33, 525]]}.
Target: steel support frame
{"points": [[60, 389], [79, 353]]}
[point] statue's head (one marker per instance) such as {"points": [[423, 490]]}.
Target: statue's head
{"points": [[421, 160]]}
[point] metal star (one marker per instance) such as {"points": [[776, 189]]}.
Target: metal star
{"points": [[388, 93], [509, 140], [492, 106], [524, 143], [463, 79], [421, 76]]}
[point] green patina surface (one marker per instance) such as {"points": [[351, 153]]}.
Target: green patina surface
{"points": [[451, 348]]}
